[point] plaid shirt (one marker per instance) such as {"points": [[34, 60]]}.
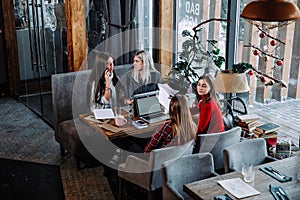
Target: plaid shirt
{"points": [[160, 138]]}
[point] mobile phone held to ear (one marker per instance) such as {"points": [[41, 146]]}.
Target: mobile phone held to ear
{"points": [[139, 124]]}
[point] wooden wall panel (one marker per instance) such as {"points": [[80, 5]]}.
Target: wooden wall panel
{"points": [[166, 36], [11, 46], [76, 34]]}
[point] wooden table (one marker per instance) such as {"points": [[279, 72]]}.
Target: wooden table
{"points": [[209, 188], [122, 132]]}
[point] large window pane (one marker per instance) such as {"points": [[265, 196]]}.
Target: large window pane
{"points": [[191, 13]]}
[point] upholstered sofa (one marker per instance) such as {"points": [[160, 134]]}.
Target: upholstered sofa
{"points": [[69, 101]]}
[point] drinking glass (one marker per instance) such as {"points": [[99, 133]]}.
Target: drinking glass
{"points": [[248, 173]]}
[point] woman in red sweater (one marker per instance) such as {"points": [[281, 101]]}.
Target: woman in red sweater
{"points": [[210, 117]]}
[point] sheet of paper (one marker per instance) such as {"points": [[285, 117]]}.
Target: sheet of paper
{"points": [[104, 113], [238, 188], [164, 93]]}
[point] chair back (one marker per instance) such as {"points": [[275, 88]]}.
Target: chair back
{"points": [[183, 170], [158, 156], [215, 144], [64, 89], [249, 152]]}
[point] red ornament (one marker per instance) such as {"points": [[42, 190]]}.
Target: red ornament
{"points": [[250, 72], [273, 42], [255, 52], [279, 62], [263, 79], [261, 35]]}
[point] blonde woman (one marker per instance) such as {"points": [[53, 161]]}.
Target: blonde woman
{"points": [[143, 77], [178, 130]]}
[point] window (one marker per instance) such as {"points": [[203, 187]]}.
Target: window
{"points": [[145, 22], [191, 13]]}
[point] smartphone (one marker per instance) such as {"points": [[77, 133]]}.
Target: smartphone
{"points": [[108, 72], [140, 122]]}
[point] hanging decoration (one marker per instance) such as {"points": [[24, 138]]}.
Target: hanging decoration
{"points": [[270, 50]]}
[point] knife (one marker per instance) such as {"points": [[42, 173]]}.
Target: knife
{"points": [[275, 172]]}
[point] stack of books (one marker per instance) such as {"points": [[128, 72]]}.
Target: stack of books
{"points": [[269, 131], [248, 123]]}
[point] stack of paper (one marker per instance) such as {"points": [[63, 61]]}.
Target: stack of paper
{"points": [[238, 188]]}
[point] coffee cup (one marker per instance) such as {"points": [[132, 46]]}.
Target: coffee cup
{"points": [[120, 120]]}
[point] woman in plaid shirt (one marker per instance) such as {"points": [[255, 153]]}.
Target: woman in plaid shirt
{"points": [[176, 131]]}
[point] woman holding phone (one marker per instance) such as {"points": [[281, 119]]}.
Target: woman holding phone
{"points": [[104, 89]]}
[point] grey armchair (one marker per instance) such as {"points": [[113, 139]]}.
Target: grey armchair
{"points": [[186, 169], [249, 152], [215, 143], [147, 173]]}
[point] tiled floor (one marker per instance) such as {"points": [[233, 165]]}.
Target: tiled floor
{"points": [[286, 114]]}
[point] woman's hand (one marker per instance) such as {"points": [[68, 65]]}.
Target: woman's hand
{"points": [[128, 101], [107, 75]]}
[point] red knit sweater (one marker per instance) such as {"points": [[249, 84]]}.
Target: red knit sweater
{"points": [[210, 118]]}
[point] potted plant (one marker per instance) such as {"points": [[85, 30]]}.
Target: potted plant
{"points": [[192, 55]]}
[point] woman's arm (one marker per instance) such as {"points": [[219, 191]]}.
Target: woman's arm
{"points": [[204, 117], [107, 90], [158, 138]]}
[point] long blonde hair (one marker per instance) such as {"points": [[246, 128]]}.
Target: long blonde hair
{"points": [[181, 119], [148, 63]]}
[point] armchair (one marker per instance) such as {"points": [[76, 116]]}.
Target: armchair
{"points": [[214, 143], [186, 169], [249, 152], [146, 173]]}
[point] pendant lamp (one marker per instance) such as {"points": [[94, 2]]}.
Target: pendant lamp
{"points": [[271, 11]]}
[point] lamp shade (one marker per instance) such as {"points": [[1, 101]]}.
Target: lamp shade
{"points": [[271, 11], [228, 82]]}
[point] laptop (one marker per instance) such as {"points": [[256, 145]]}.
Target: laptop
{"points": [[148, 108]]}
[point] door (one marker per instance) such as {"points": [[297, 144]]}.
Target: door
{"points": [[40, 52]]}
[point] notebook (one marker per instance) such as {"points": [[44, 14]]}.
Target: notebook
{"points": [[148, 108]]}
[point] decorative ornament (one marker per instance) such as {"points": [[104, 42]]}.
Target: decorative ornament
{"points": [[250, 72], [279, 62], [255, 52], [261, 35], [273, 43]]}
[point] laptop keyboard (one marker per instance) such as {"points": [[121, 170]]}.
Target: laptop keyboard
{"points": [[155, 118]]}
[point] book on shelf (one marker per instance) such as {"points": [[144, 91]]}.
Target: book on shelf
{"points": [[267, 128], [249, 118], [266, 135]]}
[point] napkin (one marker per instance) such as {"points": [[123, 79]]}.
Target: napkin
{"points": [[276, 174], [222, 197], [278, 192]]}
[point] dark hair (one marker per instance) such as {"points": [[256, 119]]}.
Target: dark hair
{"points": [[98, 75], [211, 93]]}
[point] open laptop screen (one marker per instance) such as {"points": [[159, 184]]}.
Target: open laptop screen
{"points": [[148, 105]]}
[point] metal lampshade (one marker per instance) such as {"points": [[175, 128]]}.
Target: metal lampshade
{"points": [[271, 11], [228, 82]]}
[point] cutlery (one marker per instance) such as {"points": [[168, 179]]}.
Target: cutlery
{"points": [[275, 172], [280, 196], [283, 193]]}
